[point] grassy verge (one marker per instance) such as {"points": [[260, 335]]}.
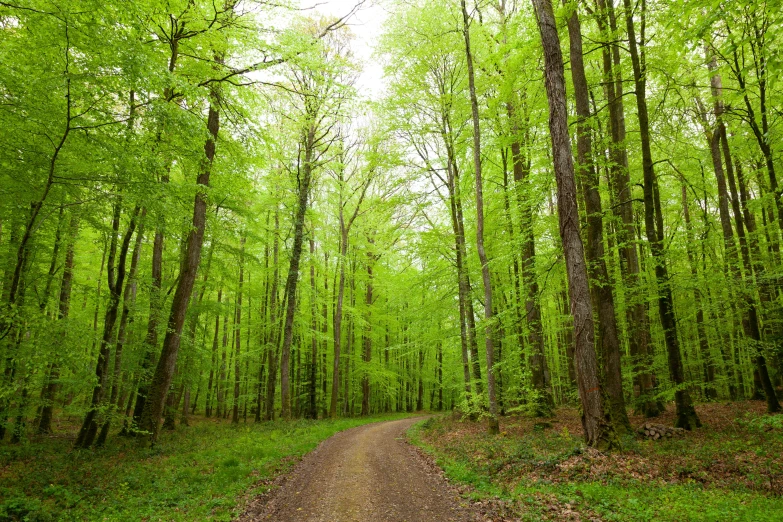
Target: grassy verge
{"points": [[197, 473], [729, 470]]}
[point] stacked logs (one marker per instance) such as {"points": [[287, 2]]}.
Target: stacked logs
{"points": [[650, 430]]}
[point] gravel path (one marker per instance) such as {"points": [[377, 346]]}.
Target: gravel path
{"points": [[365, 474]]}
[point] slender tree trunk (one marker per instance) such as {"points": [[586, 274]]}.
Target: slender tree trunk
{"points": [[489, 328], [312, 407], [274, 337], [237, 336], [686, 414], [128, 301], [463, 292], [89, 427], [718, 141], [338, 318], [704, 345], [638, 324], [367, 341], [213, 366], [52, 381], [541, 405]]}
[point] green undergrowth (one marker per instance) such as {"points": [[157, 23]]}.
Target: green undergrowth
{"points": [[543, 472], [201, 472]]}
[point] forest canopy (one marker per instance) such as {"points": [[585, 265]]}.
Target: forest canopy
{"points": [[204, 212]]}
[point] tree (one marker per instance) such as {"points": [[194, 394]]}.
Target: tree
{"points": [[598, 431]]}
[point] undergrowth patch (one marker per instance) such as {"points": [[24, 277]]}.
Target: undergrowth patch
{"points": [[729, 470], [200, 472]]}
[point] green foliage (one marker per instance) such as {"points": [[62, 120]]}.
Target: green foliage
{"points": [[546, 474], [201, 473]]}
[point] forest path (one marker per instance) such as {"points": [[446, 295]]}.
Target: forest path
{"points": [[364, 474]]}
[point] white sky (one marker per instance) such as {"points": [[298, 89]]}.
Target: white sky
{"points": [[366, 25]]}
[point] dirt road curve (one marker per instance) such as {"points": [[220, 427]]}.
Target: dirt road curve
{"points": [[365, 474]]}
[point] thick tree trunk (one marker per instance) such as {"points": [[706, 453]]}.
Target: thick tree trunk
{"points": [[608, 337], [293, 273], [161, 381], [598, 430]]}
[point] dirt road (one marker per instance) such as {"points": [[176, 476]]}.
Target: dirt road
{"points": [[365, 474]]}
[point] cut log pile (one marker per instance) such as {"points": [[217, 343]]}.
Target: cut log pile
{"points": [[650, 430]]}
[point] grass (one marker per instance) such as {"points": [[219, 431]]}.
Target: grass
{"points": [[202, 472], [729, 470]]}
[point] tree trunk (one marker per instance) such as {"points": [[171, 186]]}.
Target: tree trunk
{"points": [[367, 341], [161, 381], [237, 336], [89, 427], [213, 366], [489, 328], [52, 381], [598, 430], [128, 300], [638, 324], [608, 337], [312, 406], [338, 318], [686, 414], [293, 273], [274, 337]]}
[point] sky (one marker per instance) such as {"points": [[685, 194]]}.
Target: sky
{"points": [[366, 24]]}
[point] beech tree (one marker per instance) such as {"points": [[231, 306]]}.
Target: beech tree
{"points": [[202, 212]]}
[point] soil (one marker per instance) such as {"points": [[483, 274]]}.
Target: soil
{"points": [[365, 474]]}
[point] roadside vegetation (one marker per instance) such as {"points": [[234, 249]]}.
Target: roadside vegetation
{"points": [[203, 472], [731, 469]]}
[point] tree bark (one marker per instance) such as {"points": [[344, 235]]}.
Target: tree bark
{"points": [[489, 326], [686, 414], [598, 429], [608, 337], [367, 338], [237, 336], [213, 366], [89, 427], [128, 300], [273, 320], [161, 381], [293, 272], [66, 285], [312, 406]]}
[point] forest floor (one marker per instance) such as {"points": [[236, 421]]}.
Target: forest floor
{"points": [[369, 473], [206, 471], [730, 469]]}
